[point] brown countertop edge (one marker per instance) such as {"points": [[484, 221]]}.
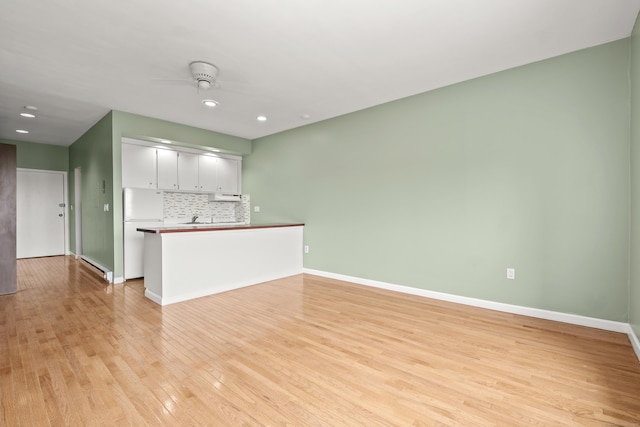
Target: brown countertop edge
{"points": [[169, 229]]}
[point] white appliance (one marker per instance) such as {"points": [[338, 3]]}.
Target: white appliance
{"points": [[142, 208], [224, 197]]}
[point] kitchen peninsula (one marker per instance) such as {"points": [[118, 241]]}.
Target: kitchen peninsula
{"points": [[183, 262]]}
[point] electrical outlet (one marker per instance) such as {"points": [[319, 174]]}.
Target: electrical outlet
{"points": [[256, 208], [106, 207], [511, 273], [306, 249]]}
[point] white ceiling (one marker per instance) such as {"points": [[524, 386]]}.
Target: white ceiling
{"points": [[77, 59]]}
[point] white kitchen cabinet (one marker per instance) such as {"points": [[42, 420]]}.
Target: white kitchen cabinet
{"points": [[207, 173], [138, 166], [188, 171], [167, 169], [219, 174], [228, 176]]}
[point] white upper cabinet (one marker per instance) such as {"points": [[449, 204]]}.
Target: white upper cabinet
{"points": [[138, 166], [207, 173], [228, 176], [167, 169], [188, 171], [144, 166]]}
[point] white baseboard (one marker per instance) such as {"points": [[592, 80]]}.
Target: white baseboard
{"points": [[107, 274], [635, 342], [592, 322], [153, 296]]}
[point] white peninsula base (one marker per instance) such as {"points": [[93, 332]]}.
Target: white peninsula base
{"points": [[179, 266]]}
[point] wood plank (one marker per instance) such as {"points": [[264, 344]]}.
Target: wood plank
{"points": [[305, 350]]}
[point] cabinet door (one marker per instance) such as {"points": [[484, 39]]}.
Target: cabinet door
{"points": [[207, 178], [167, 170], [138, 166], [228, 173], [188, 171]]}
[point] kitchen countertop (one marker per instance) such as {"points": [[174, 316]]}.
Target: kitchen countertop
{"points": [[182, 228]]}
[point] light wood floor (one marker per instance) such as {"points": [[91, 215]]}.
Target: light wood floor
{"points": [[303, 351]]}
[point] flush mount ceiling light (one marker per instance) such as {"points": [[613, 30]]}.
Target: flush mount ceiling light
{"points": [[164, 141], [305, 116], [22, 131], [210, 103], [28, 115], [31, 107], [261, 118]]}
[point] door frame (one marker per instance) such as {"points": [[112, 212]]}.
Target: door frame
{"points": [[65, 194], [77, 206]]}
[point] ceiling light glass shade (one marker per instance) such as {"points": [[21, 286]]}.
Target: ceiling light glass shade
{"points": [[28, 115], [261, 118], [209, 102], [22, 131]]}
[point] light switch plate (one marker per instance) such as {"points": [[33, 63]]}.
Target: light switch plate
{"points": [[511, 273]]}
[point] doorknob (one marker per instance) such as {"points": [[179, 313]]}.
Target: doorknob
{"points": [[59, 214]]}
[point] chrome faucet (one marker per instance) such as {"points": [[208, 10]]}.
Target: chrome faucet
{"points": [[194, 218]]}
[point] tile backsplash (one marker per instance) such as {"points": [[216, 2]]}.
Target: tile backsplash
{"points": [[180, 206]]}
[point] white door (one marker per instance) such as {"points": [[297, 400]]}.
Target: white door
{"points": [[40, 212]]}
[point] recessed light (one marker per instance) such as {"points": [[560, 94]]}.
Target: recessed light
{"points": [[31, 107], [22, 131], [28, 115], [305, 116], [209, 102], [261, 118]]}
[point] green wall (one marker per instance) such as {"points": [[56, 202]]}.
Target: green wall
{"points": [[92, 153], [141, 127], [40, 156], [634, 291], [526, 168]]}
